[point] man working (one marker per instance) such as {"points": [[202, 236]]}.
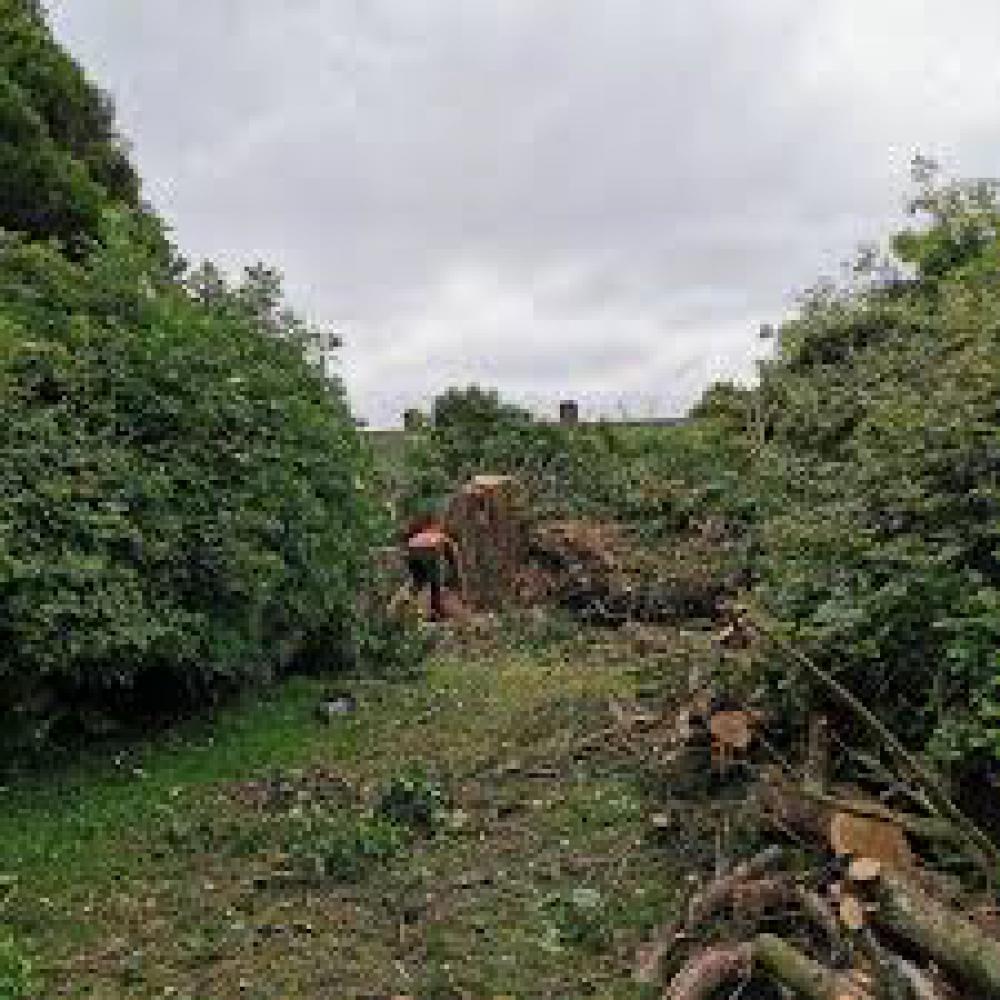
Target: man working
{"points": [[433, 558]]}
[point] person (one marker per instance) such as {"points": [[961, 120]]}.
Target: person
{"points": [[432, 557]]}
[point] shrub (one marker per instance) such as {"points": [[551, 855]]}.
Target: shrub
{"points": [[15, 970], [876, 486], [347, 850], [415, 800], [184, 500]]}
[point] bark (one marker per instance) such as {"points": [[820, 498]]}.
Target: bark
{"points": [[769, 955], [817, 765], [920, 984], [943, 935], [802, 975], [709, 970], [930, 828], [651, 955], [807, 811], [721, 891]]}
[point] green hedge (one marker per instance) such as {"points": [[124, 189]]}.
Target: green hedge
{"points": [[182, 496]]}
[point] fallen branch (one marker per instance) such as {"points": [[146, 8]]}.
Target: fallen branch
{"points": [[981, 847], [785, 964], [721, 891], [709, 970], [947, 937], [654, 951], [804, 976]]}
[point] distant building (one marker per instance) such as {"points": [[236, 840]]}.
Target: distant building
{"points": [[413, 419], [569, 412], [569, 416]]}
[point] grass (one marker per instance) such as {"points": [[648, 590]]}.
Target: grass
{"points": [[249, 858]]}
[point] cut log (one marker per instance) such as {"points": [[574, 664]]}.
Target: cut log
{"points": [[807, 810], [947, 937], [798, 972], [775, 958], [864, 870], [852, 913], [866, 837], [710, 969]]}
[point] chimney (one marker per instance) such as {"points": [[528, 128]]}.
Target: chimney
{"points": [[569, 413]]}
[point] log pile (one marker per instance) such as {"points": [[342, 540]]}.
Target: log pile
{"points": [[874, 933], [850, 913], [840, 904]]}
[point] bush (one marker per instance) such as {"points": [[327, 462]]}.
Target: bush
{"points": [[662, 479], [346, 851], [878, 532], [414, 800], [15, 970], [184, 500]]}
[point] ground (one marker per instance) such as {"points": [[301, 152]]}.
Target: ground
{"points": [[259, 856]]}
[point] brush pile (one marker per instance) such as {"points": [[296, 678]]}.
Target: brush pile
{"points": [[849, 890], [603, 572]]}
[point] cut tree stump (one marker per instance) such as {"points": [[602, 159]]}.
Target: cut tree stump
{"points": [[486, 517]]}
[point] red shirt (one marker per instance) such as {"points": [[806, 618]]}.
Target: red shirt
{"points": [[428, 538]]}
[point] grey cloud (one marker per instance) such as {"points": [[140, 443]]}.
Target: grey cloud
{"points": [[569, 197]]}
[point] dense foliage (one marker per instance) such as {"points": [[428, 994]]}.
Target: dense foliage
{"points": [[179, 491], [185, 505], [876, 480], [60, 155], [660, 478]]}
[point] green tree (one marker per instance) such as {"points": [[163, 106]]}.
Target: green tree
{"points": [[878, 485]]}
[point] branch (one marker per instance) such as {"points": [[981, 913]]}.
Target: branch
{"points": [[947, 937], [980, 846]]}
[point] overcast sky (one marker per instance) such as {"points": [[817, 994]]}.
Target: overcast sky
{"points": [[599, 199]]}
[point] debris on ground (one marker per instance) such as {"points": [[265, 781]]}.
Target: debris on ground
{"points": [[842, 898]]}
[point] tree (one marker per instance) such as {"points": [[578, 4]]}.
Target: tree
{"points": [[186, 506], [878, 485]]}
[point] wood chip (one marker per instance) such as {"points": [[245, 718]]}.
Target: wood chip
{"points": [[852, 913], [864, 870], [731, 729]]}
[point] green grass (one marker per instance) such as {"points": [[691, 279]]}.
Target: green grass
{"points": [[200, 866]]}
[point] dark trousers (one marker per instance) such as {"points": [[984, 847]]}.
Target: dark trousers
{"points": [[425, 571]]}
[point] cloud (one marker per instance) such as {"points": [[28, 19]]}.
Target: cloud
{"points": [[561, 198]]}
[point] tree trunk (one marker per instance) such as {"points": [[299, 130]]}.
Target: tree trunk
{"points": [[803, 976], [772, 956], [709, 970], [954, 942]]}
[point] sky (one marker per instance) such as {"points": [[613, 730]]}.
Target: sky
{"points": [[591, 199]]}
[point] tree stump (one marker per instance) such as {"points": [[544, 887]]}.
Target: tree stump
{"points": [[486, 517]]}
